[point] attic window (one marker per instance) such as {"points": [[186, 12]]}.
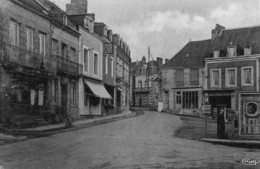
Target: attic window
{"points": [[216, 53], [65, 20], [247, 50], [232, 50]]}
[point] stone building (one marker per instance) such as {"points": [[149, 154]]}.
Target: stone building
{"points": [[183, 77], [144, 76], [32, 68], [232, 75], [92, 91], [123, 61]]}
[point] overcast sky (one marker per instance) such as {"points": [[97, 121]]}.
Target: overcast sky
{"points": [[167, 25]]}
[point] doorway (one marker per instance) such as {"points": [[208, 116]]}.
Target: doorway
{"points": [[64, 99]]}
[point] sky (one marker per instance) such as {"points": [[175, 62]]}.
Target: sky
{"points": [[167, 25]]}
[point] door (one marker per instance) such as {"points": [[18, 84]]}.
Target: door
{"points": [[166, 99], [64, 95]]}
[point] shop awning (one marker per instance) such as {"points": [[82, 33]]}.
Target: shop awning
{"points": [[98, 89]]}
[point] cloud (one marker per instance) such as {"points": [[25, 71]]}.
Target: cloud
{"points": [[236, 15]]}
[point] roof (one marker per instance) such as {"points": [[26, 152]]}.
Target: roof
{"points": [[192, 54], [239, 37]]}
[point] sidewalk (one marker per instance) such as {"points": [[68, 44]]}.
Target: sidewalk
{"points": [[14, 135], [236, 143], [194, 128]]}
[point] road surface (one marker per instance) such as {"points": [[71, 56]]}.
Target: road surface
{"points": [[142, 142]]}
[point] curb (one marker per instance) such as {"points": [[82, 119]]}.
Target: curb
{"points": [[74, 126], [234, 143]]}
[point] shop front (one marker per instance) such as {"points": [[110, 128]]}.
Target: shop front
{"points": [[249, 115], [220, 97]]}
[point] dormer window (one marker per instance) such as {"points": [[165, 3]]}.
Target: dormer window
{"points": [[216, 53], [247, 50], [65, 20], [231, 50]]}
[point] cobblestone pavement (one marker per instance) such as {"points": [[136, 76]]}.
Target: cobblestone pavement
{"points": [[142, 142]]}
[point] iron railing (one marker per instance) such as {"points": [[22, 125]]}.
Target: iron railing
{"points": [[68, 66], [142, 89], [14, 54]]}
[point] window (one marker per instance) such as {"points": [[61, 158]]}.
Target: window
{"points": [[190, 99], [231, 77], [232, 51], [55, 90], [216, 53], [247, 76], [86, 54], [54, 46], [73, 93], [215, 78], [247, 50], [194, 77], [73, 54], [95, 63], [42, 45], [14, 33], [64, 50], [29, 39], [179, 78], [178, 97], [106, 64], [112, 67]]}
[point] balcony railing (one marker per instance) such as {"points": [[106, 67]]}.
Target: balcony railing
{"points": [[143, 89], [68, 66], [13, 54]]}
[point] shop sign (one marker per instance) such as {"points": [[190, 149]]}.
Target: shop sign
{"points": [[206, 109]]}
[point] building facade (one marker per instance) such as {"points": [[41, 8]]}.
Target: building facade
{"points": [[123, 62], [232, 71], [182, 77], [33, 69], [144, 78], [92, 92]]}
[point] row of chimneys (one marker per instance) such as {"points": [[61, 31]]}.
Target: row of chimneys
{"points": [[80, 7]]}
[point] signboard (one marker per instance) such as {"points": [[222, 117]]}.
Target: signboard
{"points": [[206, 109]]}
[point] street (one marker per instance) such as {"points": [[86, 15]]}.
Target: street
{"points": [[146, 141]]}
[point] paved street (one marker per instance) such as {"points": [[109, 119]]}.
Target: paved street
{"points": [[146, 141]]}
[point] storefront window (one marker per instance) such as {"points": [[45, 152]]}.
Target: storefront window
{"points": [[190, 99], [178, 97]]}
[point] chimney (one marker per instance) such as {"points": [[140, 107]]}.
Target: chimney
{"points": [[166, 60], [116, 39], [215, 32], [159, 61], [77, 7]]}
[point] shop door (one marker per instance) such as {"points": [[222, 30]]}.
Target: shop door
{"points": [[64, 98]]}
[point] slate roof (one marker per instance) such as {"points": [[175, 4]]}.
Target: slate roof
{"points": [[191, 55], [239, 37]]}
